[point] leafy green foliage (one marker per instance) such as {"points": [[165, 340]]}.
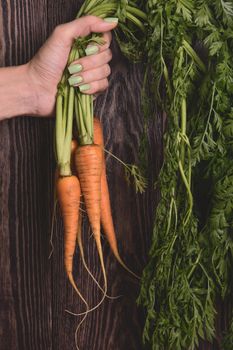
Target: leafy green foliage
{"points": [[189, 46]]}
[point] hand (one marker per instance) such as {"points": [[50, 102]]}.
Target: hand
{"points": [[91, 72]]}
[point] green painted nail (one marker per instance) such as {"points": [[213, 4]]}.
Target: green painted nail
{"points": [[75, 80], [91, 50], [75, 68], [84, 87], [111, 19]]}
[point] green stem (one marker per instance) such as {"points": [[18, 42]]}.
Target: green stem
{"points": [[135, 11], [166, 77], [88, 118], [194, 265], [183, 116], [76, 111], [195, 57], [65, 106], [183, 128], [82, 9], [189, 167], [72, 55], [190, 196], [107, 9], [208, 119], [136, 21], [118, 159], [86, 7], [65, 164], [92, 111], [59, 127], [84, 126]]}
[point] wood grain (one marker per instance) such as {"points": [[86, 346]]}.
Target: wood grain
{"points": [[34, 292]]}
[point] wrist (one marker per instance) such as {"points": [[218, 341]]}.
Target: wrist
{"points": [[28, 95], [17, 96], [43, 87], [30, 100]]}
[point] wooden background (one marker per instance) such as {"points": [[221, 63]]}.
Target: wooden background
{"points": [[34, 291]]}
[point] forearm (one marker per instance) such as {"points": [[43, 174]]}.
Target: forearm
{"points": [[16, 94]]}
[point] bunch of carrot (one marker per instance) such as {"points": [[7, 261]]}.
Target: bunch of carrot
{"points": [[81, 162], [90, 181]]}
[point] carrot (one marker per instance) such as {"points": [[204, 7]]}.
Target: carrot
{"points": [[106, 215], [88, 162], [68, 193], [80, 244], [74, 145]]}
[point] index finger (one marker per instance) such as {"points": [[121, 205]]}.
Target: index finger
{"points": [[83, 26]]}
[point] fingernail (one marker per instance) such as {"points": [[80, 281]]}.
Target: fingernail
{"points": [[111, 19], [75, 80], [91, 50], [84, 87], [75, 68]]}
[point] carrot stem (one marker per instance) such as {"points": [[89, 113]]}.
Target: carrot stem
{"points": [[65, 164], [59, 126], [65, 106], [84, 120]]}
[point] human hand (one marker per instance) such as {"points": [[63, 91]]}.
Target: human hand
{"points": [[89, 73]]}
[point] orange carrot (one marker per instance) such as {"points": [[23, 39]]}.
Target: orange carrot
{"points": [[106, 215], [68, 192], [88, 161]]}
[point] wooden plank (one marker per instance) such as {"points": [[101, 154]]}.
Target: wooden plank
{"points": [[28, 299], [8, 330]]}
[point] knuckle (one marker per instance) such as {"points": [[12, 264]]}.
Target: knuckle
{"points": [[58, 30], [100, 86], [61, 34], [88, 62], [106, 56], [107, 70], [94, 88], [92, 60], [109, 54], [109, 37], [105, 84]]}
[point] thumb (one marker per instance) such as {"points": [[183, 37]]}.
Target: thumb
{"points": [[84, 26]]}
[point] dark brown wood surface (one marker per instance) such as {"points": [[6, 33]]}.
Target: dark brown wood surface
{"points": [[34, 292]]}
